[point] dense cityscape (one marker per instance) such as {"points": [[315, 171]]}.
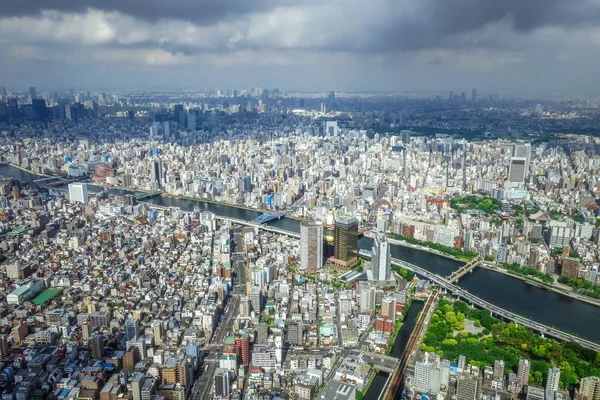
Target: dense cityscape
{"points": [[261, 244]]}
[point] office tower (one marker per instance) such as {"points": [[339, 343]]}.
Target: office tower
{"points": [[32, 92], [136, 386], [523, 374], [517, 169], [499, 370], [78, 192], [522, 150], [222, 385], [4, 350], [262, 334], [295, 334], [242, 348], [311, 246], [589, 388], [553, 380], [97, 345], [245, 184], [405, 134], [474, 95], [40, 111], [158, 329], [345, 251], [467, 387], [256, 299], [132, 328], [156, 171], [178, 112], [381, 258], [191, 122]]}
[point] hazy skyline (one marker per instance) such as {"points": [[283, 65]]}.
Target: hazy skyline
{"points": [[518, 46]]}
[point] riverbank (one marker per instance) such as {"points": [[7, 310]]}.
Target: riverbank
{"points": [[28, 171], [419, 247], [543, 285]]}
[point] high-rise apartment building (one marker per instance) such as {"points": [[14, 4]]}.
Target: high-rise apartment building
{"points": [[4, 350], [176, 370], [523, 374], [467, 387], [132, 328], [388, 308], [97, 345], [78, 192], [242, 348], [499, 370], [136, 386], [589, 388], [345, 250], [158, 330], [381, 259], [311, 246], [552, 380]]}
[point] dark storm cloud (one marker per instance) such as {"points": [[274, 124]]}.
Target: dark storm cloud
{"points": [[457, 23], [201, 12]]}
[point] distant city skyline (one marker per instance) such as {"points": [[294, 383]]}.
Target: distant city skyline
{"points": [[534, 47]]}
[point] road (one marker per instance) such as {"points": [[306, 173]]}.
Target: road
{"points": [[204, 384], [474, 300]]}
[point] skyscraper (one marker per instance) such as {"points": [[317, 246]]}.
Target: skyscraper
{"points": [[32, 92], [78, 192], [474, 95], [345, 251], [311, 246], [517, 169], [523, 374], [381, 259], [552, 381], [132, 328]]}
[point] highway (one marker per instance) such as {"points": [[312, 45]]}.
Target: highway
{"points": [[463, 294], [457, 291]]}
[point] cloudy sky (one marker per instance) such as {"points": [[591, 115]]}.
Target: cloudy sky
{"points": [[513, 46]]}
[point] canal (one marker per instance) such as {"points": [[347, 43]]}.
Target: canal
{"points": [[378, 384], [510, 293]]}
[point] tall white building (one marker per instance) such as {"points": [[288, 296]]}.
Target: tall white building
{"points": [[78, 192], [311, 246], [552, 381], [381, 259]]}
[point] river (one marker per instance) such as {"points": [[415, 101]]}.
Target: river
{"points": [[510, 293]]}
